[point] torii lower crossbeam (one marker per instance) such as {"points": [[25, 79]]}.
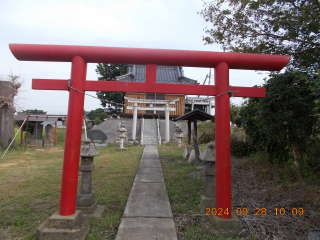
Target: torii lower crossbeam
{"points": [[81, 55]]}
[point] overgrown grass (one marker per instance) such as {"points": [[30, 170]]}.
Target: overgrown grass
{"points": [[183, 191], [30, 183]]}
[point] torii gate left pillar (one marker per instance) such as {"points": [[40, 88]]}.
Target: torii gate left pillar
{"points": [[80, 55]]}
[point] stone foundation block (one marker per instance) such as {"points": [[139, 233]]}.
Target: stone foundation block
{"points": [[88, 210], [85, 200], [205, 203], [71, 227], [221, 226]]}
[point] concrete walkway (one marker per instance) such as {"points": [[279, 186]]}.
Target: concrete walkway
{"points": [[148, 213]]}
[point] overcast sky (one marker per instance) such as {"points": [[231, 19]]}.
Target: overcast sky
{"points": [[162, 24]]}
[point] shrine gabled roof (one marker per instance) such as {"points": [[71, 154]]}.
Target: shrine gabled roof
{"points": [[195, 114], [165, 74]]}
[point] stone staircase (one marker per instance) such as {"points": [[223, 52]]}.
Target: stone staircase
{"points": [[150, 132]]}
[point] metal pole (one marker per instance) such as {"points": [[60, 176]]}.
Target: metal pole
{"points": [[134, 123], [223, 171], [73, 138], [21, 136]]}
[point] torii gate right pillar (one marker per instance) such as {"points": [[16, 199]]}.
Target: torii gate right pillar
{"points": [[222, 134]]}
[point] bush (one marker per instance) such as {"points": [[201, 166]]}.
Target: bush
{"points": [[240, 148]]}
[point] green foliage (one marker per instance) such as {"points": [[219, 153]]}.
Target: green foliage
{"points": [[109, 72], [33, 111], [235, 115], [289, 27], [98, 115], [283, 120], [240, 148], [97, 121]]}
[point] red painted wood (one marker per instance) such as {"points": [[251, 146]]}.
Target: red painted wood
{"points": [[151, 74], [115, 86], [49, 84], [79, 55], [65, 53], [73, 138], [222, 121]]}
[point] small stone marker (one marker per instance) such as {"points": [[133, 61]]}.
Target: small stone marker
{"points": [[86, 198], [48, 142], [97, 136], [37, 141], [186, 152]]}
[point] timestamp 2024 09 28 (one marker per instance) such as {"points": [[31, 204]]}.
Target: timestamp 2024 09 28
{"points": [[258, 211]]}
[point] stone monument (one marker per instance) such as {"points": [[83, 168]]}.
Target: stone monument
{"points": [[49, 130]]}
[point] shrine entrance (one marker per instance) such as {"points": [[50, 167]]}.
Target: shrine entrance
{"points": [[79, 56]]}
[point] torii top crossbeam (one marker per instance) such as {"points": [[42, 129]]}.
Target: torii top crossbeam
{"points": [[79, 56]]}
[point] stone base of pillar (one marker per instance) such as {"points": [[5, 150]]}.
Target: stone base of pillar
{"points": [[75, 226], [48, 143], [121, 149], [88, 210], [220, 226], [206, 203], [85, 200]]}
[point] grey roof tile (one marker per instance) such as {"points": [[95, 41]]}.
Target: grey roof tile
{"points": [[165, 74]]}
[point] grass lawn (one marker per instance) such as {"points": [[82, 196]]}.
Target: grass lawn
{"points": [[30, 183], [183, 191]]}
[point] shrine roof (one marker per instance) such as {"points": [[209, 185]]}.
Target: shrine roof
{"points": [[40, 117], [165, 74], [195, 114]]}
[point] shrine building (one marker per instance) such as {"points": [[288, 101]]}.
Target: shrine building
{"points": [[165, 74]]}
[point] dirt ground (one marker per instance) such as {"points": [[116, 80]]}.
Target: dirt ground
{"points": [[254, 189]]}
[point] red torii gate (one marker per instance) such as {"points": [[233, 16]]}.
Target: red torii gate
{"points": [[79, 56]]}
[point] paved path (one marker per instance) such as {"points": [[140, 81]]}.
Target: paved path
{"points": [[148, 213]]}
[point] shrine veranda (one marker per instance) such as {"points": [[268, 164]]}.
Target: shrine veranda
{"points": [[79, 56]]}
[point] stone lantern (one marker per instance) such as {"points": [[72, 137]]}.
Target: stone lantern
{"points": [[209, 158], [86, 198], [122, 136], [179, 136]]}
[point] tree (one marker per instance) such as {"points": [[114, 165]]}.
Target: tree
{"points": [[94, 113], [97, 115], [235, 115], [283, 121], [109, 72], [289, 27]]}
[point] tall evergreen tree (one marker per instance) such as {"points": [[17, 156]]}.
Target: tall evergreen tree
{"points": [[109, 72]]}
